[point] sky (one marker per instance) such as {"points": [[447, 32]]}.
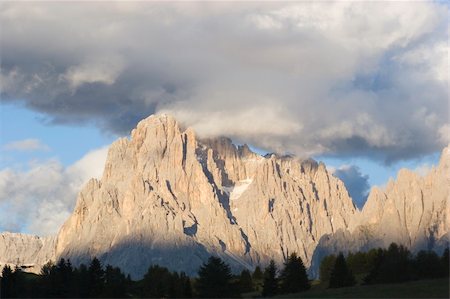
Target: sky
{"points": [[362, 86]]}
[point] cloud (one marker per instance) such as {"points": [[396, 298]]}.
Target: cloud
{"points": [[423, 169], [356, 183], [26, 145], [341, 78], [39, 199]]}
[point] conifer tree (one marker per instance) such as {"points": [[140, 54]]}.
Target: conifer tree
{"points": [[7, 283], [215, 280], [445, 262], [96, 278], [427, 264], [293, 276], [341, 276], [157, 282], [326, 266], [115, 283], [270, 286], [258, 274], [245, 281]]}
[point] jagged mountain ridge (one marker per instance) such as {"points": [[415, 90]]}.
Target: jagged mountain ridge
{"points": [[412, 210], [168, 197]]}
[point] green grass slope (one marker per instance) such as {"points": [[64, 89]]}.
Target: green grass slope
{"points": [[436, 288]]}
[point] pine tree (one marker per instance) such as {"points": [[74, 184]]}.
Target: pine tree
{"points": [[96, 278], [445, 262], [157, 282], [257, 277], [7, 283], [293, 276], [245, 282], [326, 266], [376, 258], [270, 286], [258, 274], [115, 283], [427, 264], [82, 281], [186, 286], [341, 276], [215, 280]]}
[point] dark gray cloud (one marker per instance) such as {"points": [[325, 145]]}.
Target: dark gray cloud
{"points": [[356, 183], [309, 78]]}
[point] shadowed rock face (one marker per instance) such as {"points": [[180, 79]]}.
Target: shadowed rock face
{"points": [[170, 198], [166, 188]]}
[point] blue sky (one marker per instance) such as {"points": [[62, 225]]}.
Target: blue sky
{"points": [[67, 143]]}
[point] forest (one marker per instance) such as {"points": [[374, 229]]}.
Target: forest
{"points": [[215, 279]]}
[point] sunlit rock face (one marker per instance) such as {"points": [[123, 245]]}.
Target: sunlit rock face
{"points": [[27, 251], [170, 198], [412, 211]]}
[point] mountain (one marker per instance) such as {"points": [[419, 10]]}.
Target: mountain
{"points": [[412, 211], [31, 252], [171, 198]]}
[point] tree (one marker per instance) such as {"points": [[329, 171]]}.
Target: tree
{"points": [[214, 280], [341, 276], [82, 281], [376, 258], [96, 278], [257, 277], [326, 266], [391, 265], [157, 282], [258, 274], [427, 264], [186, 286], [270, 286], [293, 276], [115, 283], [62, 278], [245, 282], [357, 262], [445, 262], [7, 283], [397, 265]]}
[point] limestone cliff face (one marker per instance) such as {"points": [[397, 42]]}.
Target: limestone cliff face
{"points": [[30, 252], [412, 211], [167, 197]]}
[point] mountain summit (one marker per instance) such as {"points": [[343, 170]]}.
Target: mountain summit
{"points": [[170, 198]]}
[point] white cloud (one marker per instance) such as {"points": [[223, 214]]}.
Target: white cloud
{"points": [[423, 169], [40, 199], [26, 145], [344, 78], [101, 70]]}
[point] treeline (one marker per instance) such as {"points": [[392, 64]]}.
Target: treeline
{"points": [[392, 265], [215, 279], [94, 281]]}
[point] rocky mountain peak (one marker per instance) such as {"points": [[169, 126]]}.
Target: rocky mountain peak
{"points": [[178, 199]]}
